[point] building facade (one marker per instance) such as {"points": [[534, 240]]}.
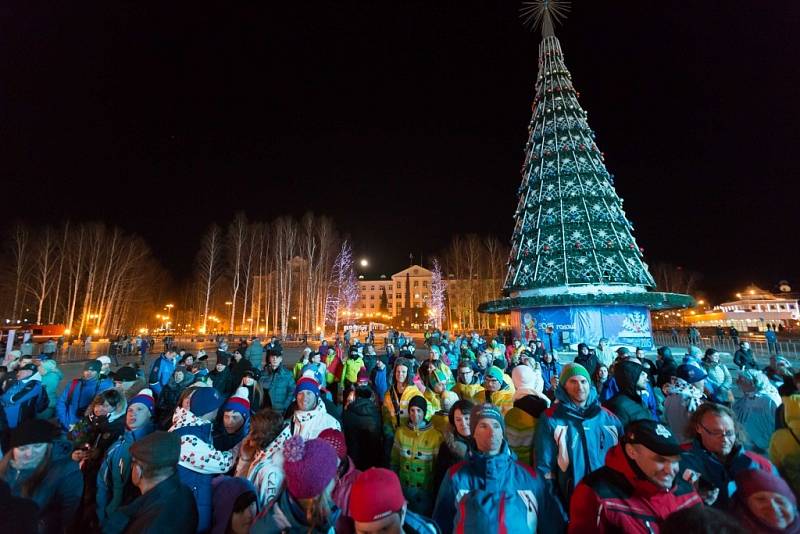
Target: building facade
{"points": [[407, 289]]}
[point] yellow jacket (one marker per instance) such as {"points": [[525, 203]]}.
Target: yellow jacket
{"points": [[503, 399], [520, 426], [414, 455], [468, 391], [395, 410], [783, 445]]}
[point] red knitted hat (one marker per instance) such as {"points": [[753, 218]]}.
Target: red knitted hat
{"points": [[375, 494], [309, 466], [238, 402], [336, 440]]}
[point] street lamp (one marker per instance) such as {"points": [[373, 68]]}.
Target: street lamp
{"points": [[364, 262]]}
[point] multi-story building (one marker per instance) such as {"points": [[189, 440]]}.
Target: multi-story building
{"points": [[754, 309], [409, 288]]}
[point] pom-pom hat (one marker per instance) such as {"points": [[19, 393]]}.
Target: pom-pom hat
{"points": [[309, 466], [336, 440], [307, 384], [145, 397], [238, 402]]}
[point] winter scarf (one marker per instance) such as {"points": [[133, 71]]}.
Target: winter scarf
{"points": [[692, 397], [197, 452]]}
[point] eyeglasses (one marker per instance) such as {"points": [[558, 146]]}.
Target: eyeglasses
{"points": [[717, 433]]}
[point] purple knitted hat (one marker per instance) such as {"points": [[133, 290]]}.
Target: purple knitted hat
{"points": [[226, 491], [309, 466]]}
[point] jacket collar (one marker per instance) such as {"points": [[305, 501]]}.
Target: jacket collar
{"points": [[619, 461], [566, 408], [491, 468], [162, 491]]}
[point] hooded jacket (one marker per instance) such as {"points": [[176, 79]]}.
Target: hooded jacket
{"points": [[785, 442], [361, 422], [226, 491], [161, 373], [285, 515], [414, 455], [755, 412], [521, 422], [23, 399], [279, 384], [50, 381], [627, 404], [199, 461], [58, 494], [469, 391], [495, 474], [77, 395], [618, 498], [571, 442]]}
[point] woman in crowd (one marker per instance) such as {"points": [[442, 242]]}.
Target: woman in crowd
{"points": [[255, 392], [719, 378], [600, 378], [169, 397], [456, 436], [39, 468], [755, 410], [521, 419], [765, 504], [235, 505], [51, 376], [261, 456]]}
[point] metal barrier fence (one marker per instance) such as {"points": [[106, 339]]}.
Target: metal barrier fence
{"points": [[788, 349]]}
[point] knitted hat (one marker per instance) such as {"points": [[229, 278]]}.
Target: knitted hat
{"points": [[418, 401], [32, 431], [145, 397], [159, 449], [375, 494], [690, 372], [93, 365], [573, 369], [750, 481], [205, 400], [363, 377], [336, 440], [307, 384], [623, 352], [496, 373], [309, 466], [238, 402], [105, 360], [485, 411], [227, 491]]}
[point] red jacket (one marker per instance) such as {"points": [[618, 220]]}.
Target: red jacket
{"points": [[614, 499]]}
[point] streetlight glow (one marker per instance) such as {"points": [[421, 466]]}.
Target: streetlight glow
{"points": [[364, 262]]}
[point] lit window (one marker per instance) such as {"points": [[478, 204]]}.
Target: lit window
{"points": [[398, 285], [399, 296], [416, 283]]}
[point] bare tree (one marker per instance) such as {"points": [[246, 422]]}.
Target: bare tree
{"points": [[284, 249], [208, 268], [20, 237], [675, 278], [237, 237], [41, 280]]}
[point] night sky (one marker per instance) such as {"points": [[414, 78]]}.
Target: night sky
{"points": [[404, 120]]}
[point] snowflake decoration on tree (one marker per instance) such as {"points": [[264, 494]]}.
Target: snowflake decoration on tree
{"points": [[437, 294]]}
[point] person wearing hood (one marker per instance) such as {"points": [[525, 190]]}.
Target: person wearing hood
{"points": [[79, 393], [666, 368], [234, 424], [715, 456], [491, 469], [170, 395], [221, 378], [38, 467], [640, 474], [683, 396], [521, 419], [436, 392], [395, 402], [114, 486], [436, 361], [51, 378], [587, 359], [784, 446], [105, 367], [305, 504], [456, 442], [23, 398], [627, 404], [496, 391], [764, 503], [755, 409], [235, 505], [361, 422], [416, 445], [574, 435], [346, 474], [199, 461], [719, 378]]}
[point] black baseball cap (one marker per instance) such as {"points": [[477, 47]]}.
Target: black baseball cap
{"points": [[124, 374], [653, 435]]}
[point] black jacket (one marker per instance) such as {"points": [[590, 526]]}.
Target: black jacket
{"points": [[361, 423], [628, 405], [169, 507]]}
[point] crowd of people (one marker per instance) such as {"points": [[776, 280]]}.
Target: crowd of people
{"points": [[481, 434]]}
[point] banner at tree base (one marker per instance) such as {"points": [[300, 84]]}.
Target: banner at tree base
{"points": [[558, 326]]}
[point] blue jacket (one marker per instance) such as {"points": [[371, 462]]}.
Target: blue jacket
{"points": [[571, 442], [23, 400], [69, 408], [199, 483], [380, 381], [697, 461], [160, 373], [255, 353], [114, 486], [552, 369], [494, 474], [280, 385]]}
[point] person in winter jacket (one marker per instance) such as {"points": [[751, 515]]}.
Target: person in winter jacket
{"points": [[755, 410], [261, 455], [395, 402], [784, 446], [361, 422], [716, 456], [637, 488], [743, 358], [414, 456], [683, 396], [378, 505], [496, 391], [161, 371], [277, 382], [628, 405], [306, 503], [379, 378], [221, 378], [352, 366], [79, 393], [765, 503], [587, 359], [165, 504], [529, 403], [305, 359], [170, 395], [199, 461], [456, 442], [235, 422], [127, 381], [551, 370], [114, 486], [23, 398], [574, 434], [490, 467], [258, 398], [235, 505], [719, 378], [468, 384], [316, 367], [39, 468], [666, 368], [346, 474], [51, 378], [255, 353]]}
